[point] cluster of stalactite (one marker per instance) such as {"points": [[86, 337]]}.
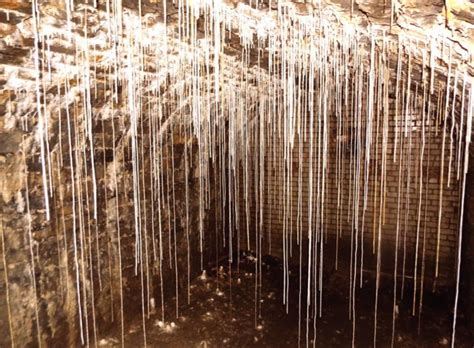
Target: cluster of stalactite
{"points": [[293, 77]]}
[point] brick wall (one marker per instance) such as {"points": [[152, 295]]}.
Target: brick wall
{"points": [[467, 257], [280, 204]]}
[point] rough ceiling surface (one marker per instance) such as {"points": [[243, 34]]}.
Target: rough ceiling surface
{"points": [[88, 42], [361, 76]]}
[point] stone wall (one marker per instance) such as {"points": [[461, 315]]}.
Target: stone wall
{"points": [[38, 257]]}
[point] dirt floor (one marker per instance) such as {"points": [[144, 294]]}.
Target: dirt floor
{"points": [[222, 314]]}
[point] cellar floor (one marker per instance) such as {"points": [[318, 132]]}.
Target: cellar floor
{"points": [[221, 315]]}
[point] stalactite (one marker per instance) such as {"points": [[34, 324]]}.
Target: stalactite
{"points": [[469, 116], [442, 166], [32, 271], [265, 143]]}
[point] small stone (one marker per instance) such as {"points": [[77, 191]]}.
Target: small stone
{"points": [[203, 275], [444, 341]]}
